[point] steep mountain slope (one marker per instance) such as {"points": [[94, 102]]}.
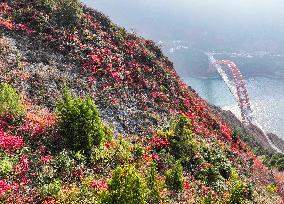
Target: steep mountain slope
{"points": [[252, 134], [49, 45]]}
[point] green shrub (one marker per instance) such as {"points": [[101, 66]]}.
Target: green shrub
{"points": [[64, 162], [280, 164], [209, 175], [271, 188], [217, 158], [153, 185], [80, 123], [166, 161], [51, 189], [174, 177], [108, 132], [83, 195], [78, 156], [275, 160], [238, 133], [46, 5], [120, 153], [209, 199], [138, 151], [216, 168], [10, 101], [123, 151], [183, 144], [6, 166], [68, 12], [126, 186], [241, 192]]}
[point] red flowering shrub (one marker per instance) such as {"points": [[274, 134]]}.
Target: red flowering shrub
{"points": [[46, 159], [24, 165], [10, 143], [5, 8], [226, 131], [37, 121], [6, 187], [41, 117], [33, 129], [159, 143], [186, 185], [49, 200], [98, 185], [5, 23], [24, 27]]}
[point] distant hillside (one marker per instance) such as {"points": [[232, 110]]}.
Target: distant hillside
{"points": [[157, 142]]}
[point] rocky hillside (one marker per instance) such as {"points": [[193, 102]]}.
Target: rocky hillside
{"points": [[154, 141], [250, 133]]}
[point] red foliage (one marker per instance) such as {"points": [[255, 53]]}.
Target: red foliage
{"points": [[6, 187], [46, 159], [159, 143], [10, 143], [24, 164], [186, 185], [49, 200], [37, 121], [74, 38], [226, 131], [5, 23], [148, 81], [109, 145], [24, 27], [155, 157], [41, 150], [5, 8], [98, 185]]}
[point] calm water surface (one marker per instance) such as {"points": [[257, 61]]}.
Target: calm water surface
{"points": [[266, 95]]}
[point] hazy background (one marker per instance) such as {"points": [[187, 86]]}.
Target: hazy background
{"points": [[207, 24]]}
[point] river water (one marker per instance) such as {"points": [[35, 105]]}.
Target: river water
{"points": [[266, 95]]}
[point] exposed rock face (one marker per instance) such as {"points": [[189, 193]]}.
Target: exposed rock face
{"points": [[258, 136], [278, 142]]}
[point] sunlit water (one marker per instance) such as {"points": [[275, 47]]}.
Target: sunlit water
{"points": [[266, 95]]}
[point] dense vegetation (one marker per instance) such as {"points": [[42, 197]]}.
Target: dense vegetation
{"points": [[275, 160], [128, 130]]}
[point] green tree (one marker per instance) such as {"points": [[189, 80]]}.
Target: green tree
{"points": [[68, 12], [153, 185], [10, 101], [79, 123], [174, 177], [126, 186], [183, 143]]}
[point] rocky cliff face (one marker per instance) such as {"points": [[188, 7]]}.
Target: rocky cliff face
{"points": [[254, 135]]}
